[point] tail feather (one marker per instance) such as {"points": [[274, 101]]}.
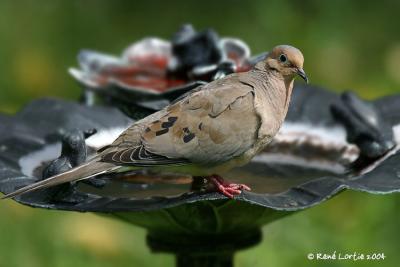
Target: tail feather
{"points": [[85, 171]]}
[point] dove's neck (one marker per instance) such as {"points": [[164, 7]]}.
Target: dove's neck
{"points": [[275, 92]]}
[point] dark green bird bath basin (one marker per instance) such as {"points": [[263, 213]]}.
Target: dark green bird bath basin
{"points": [[309, 161]]}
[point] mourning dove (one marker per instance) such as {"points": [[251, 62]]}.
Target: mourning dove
{"points": [[211, 129]]}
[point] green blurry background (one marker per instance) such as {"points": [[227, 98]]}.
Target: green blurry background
{"points": [[347, 45]]}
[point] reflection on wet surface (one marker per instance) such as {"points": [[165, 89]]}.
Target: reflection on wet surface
{"points": [[261, 177]]}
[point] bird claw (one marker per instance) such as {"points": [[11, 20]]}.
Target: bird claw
{"points": [[226, 188]]}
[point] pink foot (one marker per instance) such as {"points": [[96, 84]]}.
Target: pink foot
{"points": [[226, 188]]}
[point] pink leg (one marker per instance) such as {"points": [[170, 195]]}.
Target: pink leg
{"points": [[226, 188]]}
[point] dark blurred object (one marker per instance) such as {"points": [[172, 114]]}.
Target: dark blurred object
{"points": [[365, 127], [200, 252], [73, 152], [191, 49]]}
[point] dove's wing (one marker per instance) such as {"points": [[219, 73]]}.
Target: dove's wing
{"points": [[209, 126]]}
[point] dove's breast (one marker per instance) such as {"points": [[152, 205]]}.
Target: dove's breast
{"points": [[271, 102]]}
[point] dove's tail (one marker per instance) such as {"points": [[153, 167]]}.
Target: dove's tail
{"points": [[84, 171]]}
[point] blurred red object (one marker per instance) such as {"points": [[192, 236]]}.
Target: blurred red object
{"points": [[146, 65]]}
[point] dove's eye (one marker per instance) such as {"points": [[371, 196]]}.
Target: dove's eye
{"points": [[282, 58]]}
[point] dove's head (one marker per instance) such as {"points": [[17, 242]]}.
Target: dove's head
{"points": [[287, 60]]}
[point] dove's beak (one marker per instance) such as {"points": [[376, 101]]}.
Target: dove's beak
{"points": [[302, 74]]}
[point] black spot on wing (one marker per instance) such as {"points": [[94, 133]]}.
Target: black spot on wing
{"points": [[168, 124], [172, 119], [187, 135], [161, 132]]}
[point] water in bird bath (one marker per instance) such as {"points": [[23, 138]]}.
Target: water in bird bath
{"points": [[261, 177], [270, 172]]}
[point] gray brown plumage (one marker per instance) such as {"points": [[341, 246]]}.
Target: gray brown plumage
{"points": [[213, 128]]}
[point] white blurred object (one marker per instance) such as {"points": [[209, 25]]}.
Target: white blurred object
{"points": [[147, 47]]}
